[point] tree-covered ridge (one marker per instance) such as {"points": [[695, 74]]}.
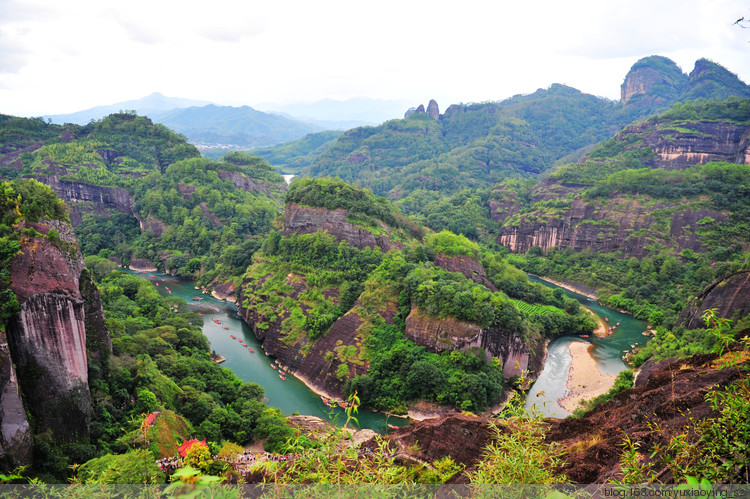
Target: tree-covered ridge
{"points": [[479, 145], [300, 285], [360, 204], [199, 222], [114, 151], [621, 173], [193, 216], [292, 157]]}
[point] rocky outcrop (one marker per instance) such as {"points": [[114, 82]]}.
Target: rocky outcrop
{"points": [[447, 333], [224, 291], [307, 220], [620, 224], [245, 183], [657, 79], [463, 438], [669, 399], [85, 198], [697, 142], [729, 295], [440, 334], [48, 339], [316, 363], [466, 265], [433, 111], [15, 432], [152, 224]]}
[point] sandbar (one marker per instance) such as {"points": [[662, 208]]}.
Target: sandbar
{"points": [[585, 380]]}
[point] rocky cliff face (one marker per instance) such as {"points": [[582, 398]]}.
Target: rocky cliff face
{"points": [[469, 267], [307, 220], [48, 337], [729, 295], [647, 75], [245, 183], [15, 432], [83, 198], [316, 362], [671, 396], [433, 111], [621, 223], [696, 143], [626, 222], [439, 334]]}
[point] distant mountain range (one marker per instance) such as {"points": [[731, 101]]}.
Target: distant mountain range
{"points": [[219, 128], [146, 106]]}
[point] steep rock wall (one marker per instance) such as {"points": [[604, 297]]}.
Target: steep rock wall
{"points": [[468, 266], [702, 142], [307, 220], [620, 223], [245, 183], [83, 198], [315, 362], [47, 338], [15, 432], [439, 334], [729, 295]]}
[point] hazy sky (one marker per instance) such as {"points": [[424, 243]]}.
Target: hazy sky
{"points": [[64, 56]]}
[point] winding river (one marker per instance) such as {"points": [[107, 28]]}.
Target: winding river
{"points": [[290, 395], [607, 351]]}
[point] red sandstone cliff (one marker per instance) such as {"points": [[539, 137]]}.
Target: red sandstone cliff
{"points": [[59, 325]]}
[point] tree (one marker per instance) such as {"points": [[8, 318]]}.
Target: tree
{"points": [[136, 466]]}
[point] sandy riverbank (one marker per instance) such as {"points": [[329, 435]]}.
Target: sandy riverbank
{"points": [[585, 380]]}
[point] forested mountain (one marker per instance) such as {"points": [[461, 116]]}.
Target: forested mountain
{"points": [[385, 301], [139, 192], [237, 127], [480, 145], [352, 296], [82, 364], [292, 157], [662, 207]]}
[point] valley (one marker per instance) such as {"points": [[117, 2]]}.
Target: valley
{"points": [[403, 269]]}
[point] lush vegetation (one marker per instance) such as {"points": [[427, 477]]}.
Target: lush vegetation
{"points": [[292, 157], [160, 362], [401, 371], [361, 205], [662, 283], [201, 218], [301, 284]]}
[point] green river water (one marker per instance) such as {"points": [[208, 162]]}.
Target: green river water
{"points": [[608, 352], [291, 396]]}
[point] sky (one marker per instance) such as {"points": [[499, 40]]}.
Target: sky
{"points": [[65, 56]]}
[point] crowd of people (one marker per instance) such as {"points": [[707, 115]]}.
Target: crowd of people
{"points": [[169, 464]]}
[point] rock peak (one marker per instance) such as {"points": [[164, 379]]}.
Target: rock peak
{"points": [[649, 74], [432, 109]]}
